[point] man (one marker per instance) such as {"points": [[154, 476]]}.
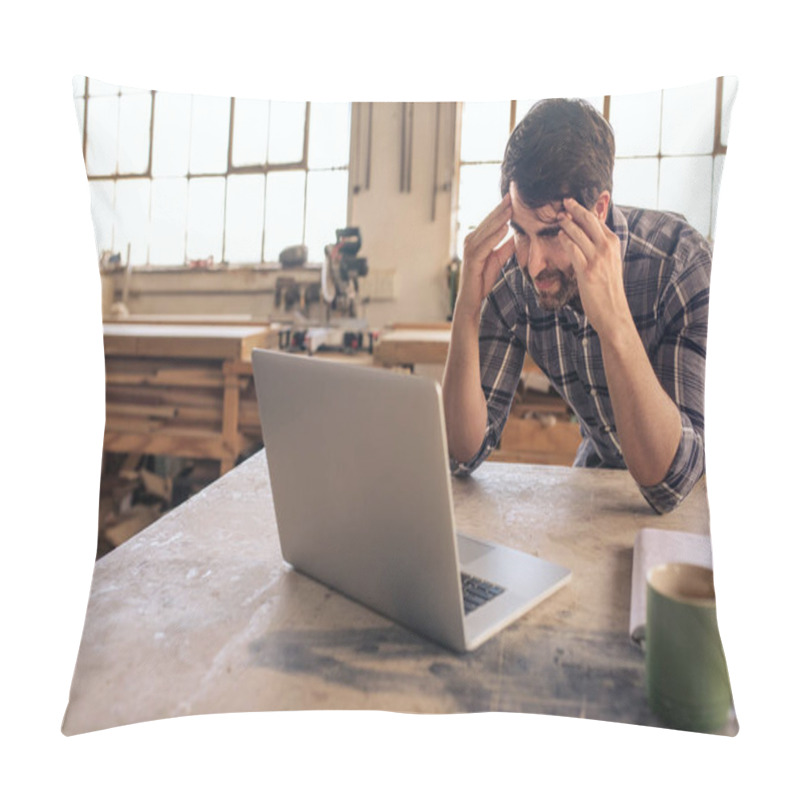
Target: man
{"points": [[610, 302]]}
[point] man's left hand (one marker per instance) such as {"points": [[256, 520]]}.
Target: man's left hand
{"points": [[597, 261]]}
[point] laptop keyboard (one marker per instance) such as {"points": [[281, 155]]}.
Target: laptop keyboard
{"points": [[477, 591]]}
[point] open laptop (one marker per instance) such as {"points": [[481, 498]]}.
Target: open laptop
{"points": [[360, 478]]}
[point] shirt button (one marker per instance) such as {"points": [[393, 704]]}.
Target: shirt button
{"points": [[593, 393], [585, 344]]}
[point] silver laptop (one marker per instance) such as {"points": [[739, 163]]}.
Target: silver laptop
{"points": [[358, 464]]}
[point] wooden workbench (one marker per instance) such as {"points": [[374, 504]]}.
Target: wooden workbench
{"points": [[175, 389], [537, 433], [199, 614]]}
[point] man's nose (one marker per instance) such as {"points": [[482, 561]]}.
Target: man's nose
{"points": [[536, 258]]}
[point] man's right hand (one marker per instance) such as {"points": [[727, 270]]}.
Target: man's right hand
{"points": [[483, 259]]}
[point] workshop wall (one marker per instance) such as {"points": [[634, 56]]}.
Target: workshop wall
{"points": [[402, 159]]}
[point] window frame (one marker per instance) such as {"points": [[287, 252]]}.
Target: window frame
{"points": [[718, 149], [231, 169]]}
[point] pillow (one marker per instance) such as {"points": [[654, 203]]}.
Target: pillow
{"points": [[204, 192]]}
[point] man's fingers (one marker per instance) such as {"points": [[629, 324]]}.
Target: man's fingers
{"points": [[578, 256], [496, 220], [478, 250], [495, 263], [576, 236], [501, 254], [585, 219]]}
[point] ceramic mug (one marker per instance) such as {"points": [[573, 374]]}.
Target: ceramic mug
{"points": [[687, 676]]}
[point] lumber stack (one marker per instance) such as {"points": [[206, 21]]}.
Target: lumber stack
{"points": [[177, 389]]}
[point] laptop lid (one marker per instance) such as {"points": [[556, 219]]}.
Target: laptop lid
{"points": [[358, 465]]}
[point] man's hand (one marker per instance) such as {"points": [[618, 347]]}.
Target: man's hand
{"points": [[485, 253], [483, 258], [597, 261], [647, 420]]}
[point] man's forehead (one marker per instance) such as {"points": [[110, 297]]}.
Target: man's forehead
{"points": [[546, 214]]}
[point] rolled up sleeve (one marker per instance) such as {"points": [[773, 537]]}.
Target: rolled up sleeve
{"points": [[679, 362], [502, 353]]}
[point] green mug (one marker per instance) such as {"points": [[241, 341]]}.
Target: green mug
{"points": [[687, 676]]}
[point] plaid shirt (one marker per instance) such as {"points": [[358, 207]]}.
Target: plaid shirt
{"points": [[666, 271]]}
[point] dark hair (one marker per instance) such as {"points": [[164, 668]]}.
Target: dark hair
{"points": [[561, 148]]}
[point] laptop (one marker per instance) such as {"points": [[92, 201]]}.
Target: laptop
{"points": [[359, 470]]}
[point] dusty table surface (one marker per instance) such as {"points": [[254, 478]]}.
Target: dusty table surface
{"points": [[199, 614]]}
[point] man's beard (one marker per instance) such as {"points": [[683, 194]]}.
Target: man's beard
{"points": [[567, 289]]}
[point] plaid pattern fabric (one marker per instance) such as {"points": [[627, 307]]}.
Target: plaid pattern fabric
{"points": [[666, 272]]}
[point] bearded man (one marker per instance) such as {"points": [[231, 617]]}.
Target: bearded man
{"points": [[610, 302]]}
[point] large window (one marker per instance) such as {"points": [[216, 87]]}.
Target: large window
{"points": [[670, 150], [176, 178]]}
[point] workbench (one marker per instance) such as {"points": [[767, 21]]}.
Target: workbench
{"points": [[199, 614], [540, 432], [176, 389]]}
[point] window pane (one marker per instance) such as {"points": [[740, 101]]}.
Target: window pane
{"points": [[719, 164], [685, 187], [329, 135], [636, 120], [286, 132], [326, 210], [102, 122], [209, 139], [523, 107], [206, 212], [636, 182], [101, 194], [688, 121], [244, 217], [78, 85], [250, 132], [131, 220], [729, 87], [134, 132], [484, 130], [80, 105], [133, 90], [172, 122], [100, 88], [478, 194], [168, 222], [284, 212]]}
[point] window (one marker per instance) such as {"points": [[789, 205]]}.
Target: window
{"points": [[670, 150], [176, 178]]}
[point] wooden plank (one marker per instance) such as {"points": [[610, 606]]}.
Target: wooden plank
{"points": [[188, 319], [152, 364], [553, 459], [230, 422], [121, 410], [534, 436], [405, 346], [154, 395], [412, 346], [165, 411], [172, 377], [194, 444], [421, 326], [185, 341]]}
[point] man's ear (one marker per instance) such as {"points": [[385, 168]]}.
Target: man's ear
{"points": [[601, 205]]}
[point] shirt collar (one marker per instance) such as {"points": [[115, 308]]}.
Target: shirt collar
{"points": [[617, 222]]}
